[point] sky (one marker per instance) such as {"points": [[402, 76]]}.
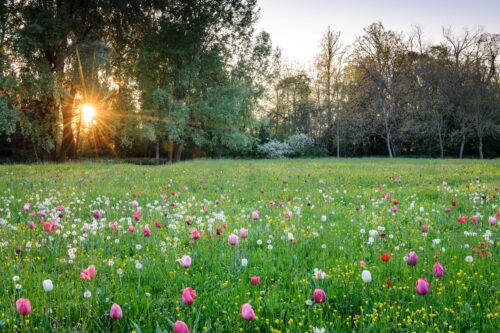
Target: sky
{"points": [[296, 26]]}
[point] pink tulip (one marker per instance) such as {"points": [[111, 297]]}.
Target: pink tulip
{"points": [[180, 327], [492, 220], [96, 214], [474, 219], [23, 306], [88, 273], [113, 224], [462, 219], [438, 270], [116, 312], [411, 258], [425, 228], [232, 240], [255, 280], [247, 312], [196, 234], [137, 215], [31, 225], [147, 231], [42, 213], [288, 215], [188, 296], [135, 204], [447, 210], [158, 224], [422, 286], [185, 261], [387, 196], [26, 206], [394, 208], [243, 233], [319, 296], [255, 215], [131, 228]]}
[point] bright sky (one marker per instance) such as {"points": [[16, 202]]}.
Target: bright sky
{"points": [[296, 26]]}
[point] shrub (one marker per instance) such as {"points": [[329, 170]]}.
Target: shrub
{"points": [[299, 143], [275, 149]]}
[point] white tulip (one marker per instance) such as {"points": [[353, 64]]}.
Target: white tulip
{"points": [[47, 285], [366, 276]]}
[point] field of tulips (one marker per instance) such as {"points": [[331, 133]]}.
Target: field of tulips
{"points": [[251, 246]]}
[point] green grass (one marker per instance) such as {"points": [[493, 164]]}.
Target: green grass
{"points": [[348, 192]]}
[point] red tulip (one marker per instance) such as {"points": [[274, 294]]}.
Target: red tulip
{"points": [[147, 231], [188, 296], [319, 296], [386, 257], [23, 306], [255, 280]]}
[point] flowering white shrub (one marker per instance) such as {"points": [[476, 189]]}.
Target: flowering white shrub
{"points": [[275, 149], [299, 142]]}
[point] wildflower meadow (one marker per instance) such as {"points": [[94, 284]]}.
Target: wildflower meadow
{"points": [[354, 245]]}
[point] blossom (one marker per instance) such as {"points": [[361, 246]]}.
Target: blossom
{"points": [[255, 215], [185, 261], [23, 306], [87, 294], [180, 327], [243, 233], [244, 262], [319, 274], [196, 234], [385, 257], [366, 276], [115, 312], [438, 270], [422, 286], [255, 280], [411, 258], [425, 228], [319, 295], [147, 231], [188, 296], [247, 312], [96, 214], [47, 285], [88, 273], [232, 240], [469, 259]]}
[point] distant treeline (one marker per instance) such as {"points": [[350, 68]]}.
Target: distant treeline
{"points": [[172, 79]]}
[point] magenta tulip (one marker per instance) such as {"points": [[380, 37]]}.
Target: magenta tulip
{"points": [[247, 312], [438, 270], [116, 312], [180, 327], [23, 306], [422, 286], [319, 296]]}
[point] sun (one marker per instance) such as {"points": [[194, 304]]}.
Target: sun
{"points": [[88, 112]]}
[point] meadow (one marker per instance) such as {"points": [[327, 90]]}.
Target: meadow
{"points": [[319, 246]]}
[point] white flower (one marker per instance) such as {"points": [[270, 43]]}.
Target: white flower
{"points": [[362, 231], [47, 285], [318, 330], [436, 241], [469, 259], [18, 286], [323, 246], [319, 274], [269, 247], [366, 276], [244, 262], [373, 233], [87, 294], [323, 218], [138, 265], [119, 271], [111, 263], [290, 236], [15, 278], [422, 209], [259, 242], [370, 240], [309, 302], [138, 246]]}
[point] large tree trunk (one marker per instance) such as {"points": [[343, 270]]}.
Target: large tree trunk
{"points": [[441, 145], [157, 159], [178, 152], [68, 141], [481, 147], [462, 145]]}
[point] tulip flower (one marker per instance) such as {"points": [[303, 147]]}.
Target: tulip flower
{"points": [[158, 224], [255, 215], [23, 306], [255, 280], [47, 285], [131, 228], [196, 234], [422, 286], [243, 233], [366, 276], [411, 258], [394, 208], [188, 296], [492, 220], [180, 327], [96, 214], [232, 240], [185, 261], [116, 312], [88, 274], [386, 257], [319, 296], [147, 231], [438, 270], [425, 228], [247, 312]]}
